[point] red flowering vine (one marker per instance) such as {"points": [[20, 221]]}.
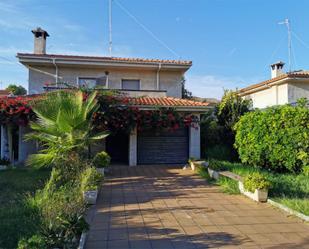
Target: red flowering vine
{"points": [[15, 110], [116, 112]]}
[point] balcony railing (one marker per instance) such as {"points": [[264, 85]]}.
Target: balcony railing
{"points": [[130, 93]]}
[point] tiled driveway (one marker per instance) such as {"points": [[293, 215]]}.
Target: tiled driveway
{"points": [[166, 207]]}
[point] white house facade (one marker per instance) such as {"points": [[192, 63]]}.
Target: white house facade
{"points": [[154, 83]]}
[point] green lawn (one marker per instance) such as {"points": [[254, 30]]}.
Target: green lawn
{"points": [[288, 189], [17, 218]]}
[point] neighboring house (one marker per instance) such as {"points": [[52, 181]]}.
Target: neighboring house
{"points": [[4, 93], [154, 84], [282, 88]]}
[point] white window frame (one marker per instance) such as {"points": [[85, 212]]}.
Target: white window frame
{"points": [[140, 84]]}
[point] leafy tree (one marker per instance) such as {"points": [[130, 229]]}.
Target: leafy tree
{"points": [[63, 126], [186, 94], [231, 108], [17, 90], [217, 132]]}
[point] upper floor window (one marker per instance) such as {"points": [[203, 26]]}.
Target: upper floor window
{"points": [[131, 84], [91, 82]]}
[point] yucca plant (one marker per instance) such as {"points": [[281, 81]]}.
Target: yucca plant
{"points": [[63, 126]]}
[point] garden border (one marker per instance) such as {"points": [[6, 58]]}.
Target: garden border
{"points": [[288, 210], [82, 241], [89, 216], [271, 202]]}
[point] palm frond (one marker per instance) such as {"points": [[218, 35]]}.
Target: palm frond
{"points": [[40, 160]]}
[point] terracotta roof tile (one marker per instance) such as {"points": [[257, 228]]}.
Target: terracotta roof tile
{"points": [[117, 59], [167, 102], [4, 93], [142, 101]]}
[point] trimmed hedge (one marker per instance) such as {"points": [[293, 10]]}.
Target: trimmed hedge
{"points": [[275, 138]]}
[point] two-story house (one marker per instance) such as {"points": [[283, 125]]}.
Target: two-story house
{"points": [[154, 83], [281, 88]]}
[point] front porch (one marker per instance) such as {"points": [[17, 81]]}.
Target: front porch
{"points": [[159, 130]]}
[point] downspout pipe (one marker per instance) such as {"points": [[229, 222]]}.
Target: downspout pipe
{"points": [[158, 76], [56, 67]]}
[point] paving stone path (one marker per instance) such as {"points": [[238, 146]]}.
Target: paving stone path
{"points": [[164, 207]]}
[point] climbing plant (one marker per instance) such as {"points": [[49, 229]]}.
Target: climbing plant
{"points": [[116, 112]]}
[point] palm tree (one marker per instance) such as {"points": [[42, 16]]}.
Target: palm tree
{"points": [[63, 126]]}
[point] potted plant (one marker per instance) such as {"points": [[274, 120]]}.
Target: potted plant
{"points": [[191, 163], [255, 186], [101, 161], [90, 181], [4, 163], [213, 166]]}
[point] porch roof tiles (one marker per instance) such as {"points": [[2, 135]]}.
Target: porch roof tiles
{"points": [[167, 102]]}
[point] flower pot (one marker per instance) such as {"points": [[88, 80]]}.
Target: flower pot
{"points": [[90, 196], [206, 164], [213, 174], [192, 165], [259, 195], [101, 171]]}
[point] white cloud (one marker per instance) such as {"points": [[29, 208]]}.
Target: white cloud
{"points": [[212, 86]]}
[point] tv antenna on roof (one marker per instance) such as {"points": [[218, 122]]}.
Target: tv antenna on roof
{"points": [[110, 27], [288, 25]]}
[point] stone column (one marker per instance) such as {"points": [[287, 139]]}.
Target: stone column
{"points": [[195, 141], [133, 148], [22, 145], [25, 148], [5, 152]]}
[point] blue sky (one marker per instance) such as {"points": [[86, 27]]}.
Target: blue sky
{"points": [[231, 43]]}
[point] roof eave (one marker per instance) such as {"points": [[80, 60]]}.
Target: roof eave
{"points": [[33, 59], [200, 109], [291, 79]]}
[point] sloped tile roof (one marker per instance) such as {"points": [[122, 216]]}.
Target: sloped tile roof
{"points": [[167, 102], [106, 58], [4, 93], [291, 75]]}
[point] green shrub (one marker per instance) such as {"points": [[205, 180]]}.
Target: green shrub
{"points": [[256, 181], [276, 138], [61, 214], [101, 160], [306, 170], [68, 173], [90, 179], [217, 135], [216, 165], [35, 242], [219, 152]]}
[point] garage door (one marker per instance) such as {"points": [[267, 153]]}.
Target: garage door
{"points": [[162, 147]]}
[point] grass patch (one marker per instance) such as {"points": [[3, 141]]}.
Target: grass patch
{"points": [[288, 189], [228, 185], [18, 218], [297, 204]]}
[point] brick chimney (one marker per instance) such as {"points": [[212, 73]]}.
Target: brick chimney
{"points": [[39, 40], [276, 69]]}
